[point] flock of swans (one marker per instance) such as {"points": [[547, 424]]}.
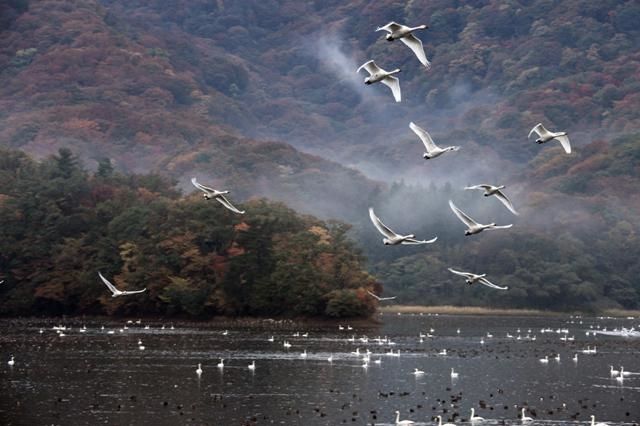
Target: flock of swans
{"points": [[376, 74]]}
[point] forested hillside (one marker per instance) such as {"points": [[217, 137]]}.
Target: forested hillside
{"points": [[60, 225], [231, 91]]}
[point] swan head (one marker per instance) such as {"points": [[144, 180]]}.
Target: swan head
{"points": [[468, 281], [467, 232], [386, 242], [206, 196], [389, 37], [426, 156], [367, 81]]}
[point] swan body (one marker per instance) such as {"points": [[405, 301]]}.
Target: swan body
{"points": [[209, 193], [115, 292], [525, 418], [12, 361], [544, 360], [252, 366], [417, 372], [221, 363], [495, 190], [330, 358], [303, 354], [378, 75], [475, 278], [453, 374], [432, 150], [474, 227], [475, 418], [199, 370], [392, 238], [405, 34], [545, 136], [403, 422]]}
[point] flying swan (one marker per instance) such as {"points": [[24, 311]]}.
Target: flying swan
{"points": [[433, 150], [495, 190], [117, 292], [473, 226], [391, 238], [546, 136], [377, 74], [405, 34], [380, 299], [474, 278], [210, 193]]}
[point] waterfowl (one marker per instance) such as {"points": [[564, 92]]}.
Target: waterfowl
{"points": [[115, 292], [402, 422], [525, 418], [474, 278], [405, 34], [432, 150], [475, 418], [473, 226], [377, 74], [495, 190], [209, 193], [545, 135], [392, 238]]}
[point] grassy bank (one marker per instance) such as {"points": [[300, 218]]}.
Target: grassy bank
{"points": [[478, 310]]}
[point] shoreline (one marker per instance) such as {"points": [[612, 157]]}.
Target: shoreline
{"points": [[479, 310]]}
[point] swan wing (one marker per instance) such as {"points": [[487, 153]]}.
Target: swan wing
{"points": [[124, 293], [462, 274], [504, 200], [374, 296], [500, 227], [223, 200], [394, 84], [541, 131], [370, 67], [413, 241], [492, 285], [564, 140], [483, 186], [110, 286], [462, 216], [200, 186], [424, 136], [415, 45], [390, 27], [381, 227]]}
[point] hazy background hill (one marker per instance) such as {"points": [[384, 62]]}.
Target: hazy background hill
{"points": [[196, 88]]}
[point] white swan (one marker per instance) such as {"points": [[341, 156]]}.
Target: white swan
{"points": [[495, 190], [546, 136], [252, 366], [432, 150], [475, 418], [417, 372], [557, 357], [12, 361], [221, 363], [575, 358], [525, 418], [210, 193], [453, 374], [380, 299], [544, 360], [199, 370], [624, 373], [303, 354], [403, 422], [391, 238], [593, 422], [444, 424], [473, 226], [404, 34], [474, 278], [377, 74], [330, 358], [117, 292]]}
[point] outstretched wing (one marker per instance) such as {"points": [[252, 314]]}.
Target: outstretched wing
{"points": [[381, 227], [483, 186], [540, 130], [124, 293], [500, 227], [424, 136], [375, 296], [110, 286], [415, 45], [394, 84], [462, 216], [564, 140], [1, 281], [371, 67], [492, 285], [390, 27], [223, 200], [413, 241], [200, 186], [462, 274], [504, 200]]}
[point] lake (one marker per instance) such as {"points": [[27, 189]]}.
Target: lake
{"points": [[101, 376]]}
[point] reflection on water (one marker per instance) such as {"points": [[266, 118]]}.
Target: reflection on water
{"points": [[102, 376]]}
